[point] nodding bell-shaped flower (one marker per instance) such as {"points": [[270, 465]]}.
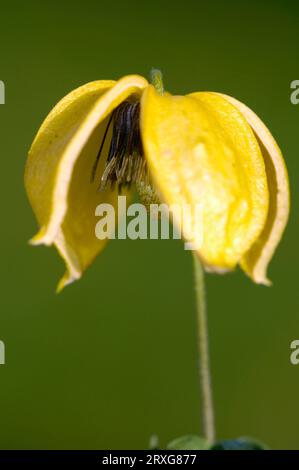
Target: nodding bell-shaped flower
{"points": [[204, 147]]}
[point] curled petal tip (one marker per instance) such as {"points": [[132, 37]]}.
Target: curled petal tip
{"points": [[40, 238], [66, 280]]}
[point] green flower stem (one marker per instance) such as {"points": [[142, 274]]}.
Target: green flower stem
{"points": [[203, 350], [156, 79]]}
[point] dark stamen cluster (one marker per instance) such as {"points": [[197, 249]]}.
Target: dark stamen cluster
{"points": [[125, 162]]}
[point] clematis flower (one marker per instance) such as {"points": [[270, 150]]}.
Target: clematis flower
{"points": [[205, 148]]}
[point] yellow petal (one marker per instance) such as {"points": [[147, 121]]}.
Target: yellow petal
{"points": [[256, 261], [59, 165], [201, 150]]}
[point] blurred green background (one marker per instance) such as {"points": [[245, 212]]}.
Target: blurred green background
{"points": [[112, 360]]}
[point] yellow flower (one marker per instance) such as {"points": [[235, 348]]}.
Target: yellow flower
{"points": [[205, 148]]}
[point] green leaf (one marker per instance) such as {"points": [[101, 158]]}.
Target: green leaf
{"points": [[154, 442], [190, 442], [242, 443]]}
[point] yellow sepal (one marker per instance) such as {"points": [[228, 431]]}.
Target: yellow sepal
{"points": [[256, 260], [201, 150], [59, 165]]}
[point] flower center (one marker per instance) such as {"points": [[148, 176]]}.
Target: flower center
{"points": [[125, 163]]}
